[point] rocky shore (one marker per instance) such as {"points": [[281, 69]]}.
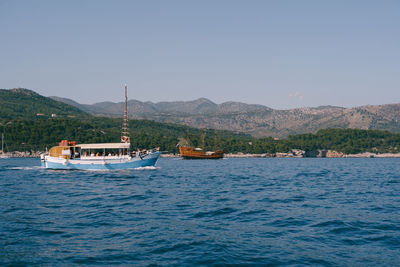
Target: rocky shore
{"points": [[292, 154], [302, 154]]}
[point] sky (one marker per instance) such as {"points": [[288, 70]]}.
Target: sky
{"points": [[282, 54]]}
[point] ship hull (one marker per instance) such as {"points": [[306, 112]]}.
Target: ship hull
{"points": [[202, 157], [101, 164], [190, 153]]}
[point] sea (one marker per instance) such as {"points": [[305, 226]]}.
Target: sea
{"points": [[247, 212]]}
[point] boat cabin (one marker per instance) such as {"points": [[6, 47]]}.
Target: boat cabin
{"points": [[72, 150]]}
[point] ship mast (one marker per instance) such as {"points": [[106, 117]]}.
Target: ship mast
{"points": [[215, 140], [187, 136], [203, 135], [125, 138]]}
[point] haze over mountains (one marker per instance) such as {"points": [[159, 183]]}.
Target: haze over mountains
{"points": [[257, 120]]}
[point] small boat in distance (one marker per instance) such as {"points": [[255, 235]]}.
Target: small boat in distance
{"points": [[3, 155], [189, 152], [100, 156]]}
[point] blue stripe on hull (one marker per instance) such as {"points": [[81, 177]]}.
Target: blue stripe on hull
{"points": [[110, 166]]}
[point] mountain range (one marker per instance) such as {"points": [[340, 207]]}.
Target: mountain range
{"points": [[257, 120]]}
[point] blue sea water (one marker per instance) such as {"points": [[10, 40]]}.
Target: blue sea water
{"points": [[291, 212]]}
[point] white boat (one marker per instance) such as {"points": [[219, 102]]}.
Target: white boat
{"points": [[3, 155], [100, 156]]}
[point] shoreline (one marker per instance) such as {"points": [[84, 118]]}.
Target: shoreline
{"points": [[290, 155], [320, 154]]}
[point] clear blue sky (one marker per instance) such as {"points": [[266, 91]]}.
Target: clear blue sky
{"points": [[282, 54]]}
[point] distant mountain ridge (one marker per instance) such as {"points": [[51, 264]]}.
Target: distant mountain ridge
{"points": [[257, 120], [138, 108]]}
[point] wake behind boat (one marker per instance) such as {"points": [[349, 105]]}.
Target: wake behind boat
{"points": [[100, 156]]}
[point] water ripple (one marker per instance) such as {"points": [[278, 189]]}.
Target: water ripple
{"points": [[292, 212]]}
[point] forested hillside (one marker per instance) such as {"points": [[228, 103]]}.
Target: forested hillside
{"points": [[42, 133], [26, 121], [26, 104], [39, 134]]}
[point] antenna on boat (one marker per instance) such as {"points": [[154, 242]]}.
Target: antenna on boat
{"points": [[125, 138]]}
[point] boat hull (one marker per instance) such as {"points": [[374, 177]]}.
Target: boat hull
{"points": [[203, 157], [190, 153], [101, 164]]}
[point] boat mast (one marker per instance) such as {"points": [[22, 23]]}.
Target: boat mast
{"points": [[125, 138], [2, 143], [215, 140], [187, 136], [203, 135]]}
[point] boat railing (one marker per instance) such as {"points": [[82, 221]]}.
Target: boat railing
{"points": [[99, 157]]}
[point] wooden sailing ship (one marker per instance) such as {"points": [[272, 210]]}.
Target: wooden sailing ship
{"points": [[189, 152]]}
